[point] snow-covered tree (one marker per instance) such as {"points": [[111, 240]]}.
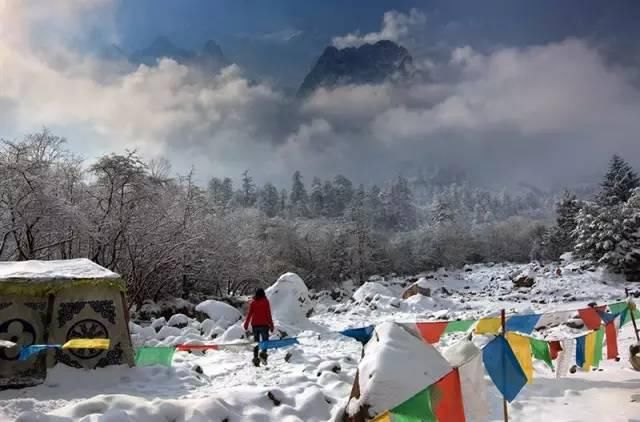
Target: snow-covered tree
{"points": [[618, 183], [249, 197], [269, 200], [316, 199], [298, 199]]}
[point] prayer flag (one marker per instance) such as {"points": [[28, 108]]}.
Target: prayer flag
{"points": [[87, 343], [503, 368], [457, 326], [190, 347], [590, 317], [276, 344], [431, 331], [363, 334], [488, 326], [597, 352], [554, 348], [34, 349], [612, 340], [523, 323], [521, 347], [147, 356], [580, 351], [541, 351]]}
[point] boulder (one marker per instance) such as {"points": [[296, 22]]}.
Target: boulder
{"points": [[422, 287], [524, 281]]}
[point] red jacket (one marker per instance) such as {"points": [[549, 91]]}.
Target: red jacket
{"points": [[259, 314]]}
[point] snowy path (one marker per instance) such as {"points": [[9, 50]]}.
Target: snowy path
{"points": [[314, 385]]}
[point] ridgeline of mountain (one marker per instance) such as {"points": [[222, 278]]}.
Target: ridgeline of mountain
{"points": [[210, 57], [369, 63]]}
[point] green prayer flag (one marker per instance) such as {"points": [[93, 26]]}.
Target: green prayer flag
{"points": [[597, 356], [540, 349], [456, 326], [147, 356], [620, 307], [416, 409]]}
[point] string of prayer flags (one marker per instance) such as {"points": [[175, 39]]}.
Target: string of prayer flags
{"points": [[488, 326], [199, 347], [459, 326], [542, 351], [148, 356], [521, 347], [276, 344], [34, 349], [503, 368], [440, 402], [431, 331], [87, 343], [523, 323], [590, 317], [362, 334]]}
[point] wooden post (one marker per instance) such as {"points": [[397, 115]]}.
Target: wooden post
{"points": [[505, 411], [633, 318]]}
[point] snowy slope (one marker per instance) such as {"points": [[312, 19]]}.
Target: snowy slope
{"points": [[315, 384]]}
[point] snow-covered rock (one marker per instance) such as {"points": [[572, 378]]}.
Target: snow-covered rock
{"points": [[369, 290], [222, 313], [396, 365], [167, 331], [158, 323], [235, 332], [289, 298], [178, 320]]}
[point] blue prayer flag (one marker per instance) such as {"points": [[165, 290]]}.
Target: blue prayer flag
{"points": [[580, 350], [27, 352], [523, 323], [363, 334], [276, 344], [503, 368]]}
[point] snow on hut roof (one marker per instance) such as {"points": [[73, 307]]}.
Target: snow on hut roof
{"points": [[69, 269]]}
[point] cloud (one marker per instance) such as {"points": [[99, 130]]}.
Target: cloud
{"points": [[547, 114], [395, 27], [282, 36]]}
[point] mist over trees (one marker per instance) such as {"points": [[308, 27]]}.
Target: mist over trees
{"points": [[167, 235]]}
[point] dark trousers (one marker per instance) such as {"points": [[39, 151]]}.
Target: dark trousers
{"points": [[260, 333]]}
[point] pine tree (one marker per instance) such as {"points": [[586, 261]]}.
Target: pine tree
{"points": [[330, 204], [299, 199], [375, 206], [618, 184], [227, 190], [268, 201], [283, 201], [316, 198], [248, 190], [343, 193], [560, 238]]}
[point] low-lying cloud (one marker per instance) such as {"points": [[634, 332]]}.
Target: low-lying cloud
{"points": [[548, 115], [395, 27]]}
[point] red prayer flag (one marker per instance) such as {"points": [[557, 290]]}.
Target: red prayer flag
{"points": [[188, 347], [612, 340], [446, 398], [431, 331], [554, 349], [590, 317]]}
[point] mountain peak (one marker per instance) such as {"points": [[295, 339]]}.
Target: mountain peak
{"points": [[212, 48], [368, 63]]}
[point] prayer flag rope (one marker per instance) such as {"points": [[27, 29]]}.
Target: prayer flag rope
{"points": [[79, 343]]}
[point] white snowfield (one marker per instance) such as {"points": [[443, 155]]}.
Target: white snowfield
{"points": [[315, 384], [70, 269]]}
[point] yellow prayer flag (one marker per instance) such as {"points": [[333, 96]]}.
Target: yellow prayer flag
{"points": [[589, 351], [87, 343], [488, 326], [522, 349], [383, 417]]}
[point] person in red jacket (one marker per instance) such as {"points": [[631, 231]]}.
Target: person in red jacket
{"points": [[259, 316]]}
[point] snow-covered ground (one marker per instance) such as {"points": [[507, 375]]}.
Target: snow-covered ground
{"points": [[314, 384]]}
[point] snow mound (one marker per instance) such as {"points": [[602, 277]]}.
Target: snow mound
{"points": [[396, 365], [222, 313], [178, 320], [289, 298], [235, 332], [369, 290]]}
